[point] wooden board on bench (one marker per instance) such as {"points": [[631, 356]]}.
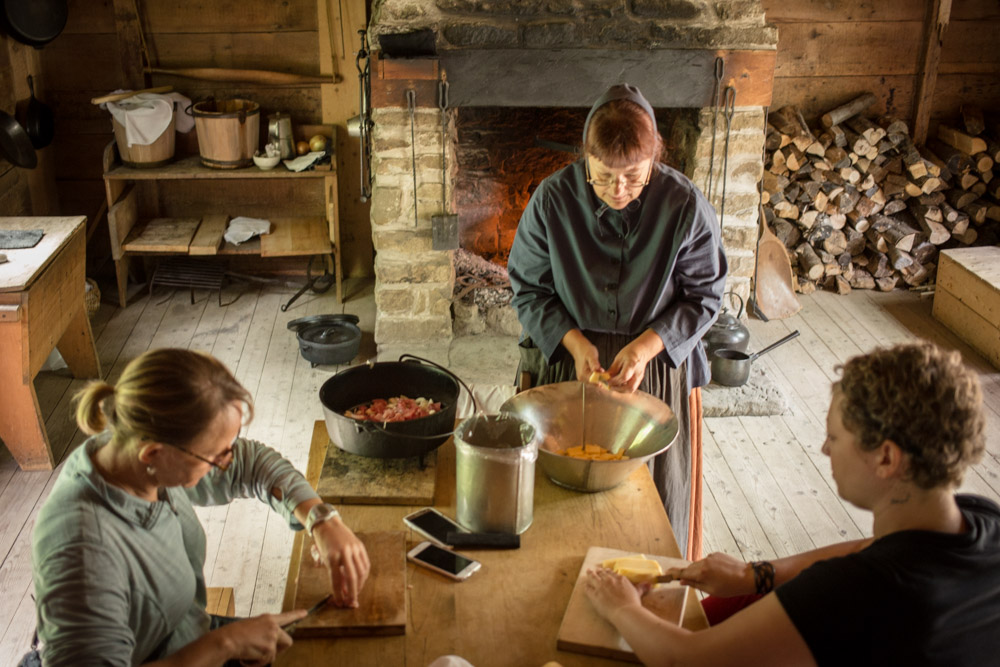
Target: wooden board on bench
{"points": [[162, 235], [967, 297]]}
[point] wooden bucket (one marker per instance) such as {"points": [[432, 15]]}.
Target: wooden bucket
{"points": [[147, 156], [228, 132]]}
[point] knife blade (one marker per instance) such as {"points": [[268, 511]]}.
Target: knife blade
{"points": [[312, 610]]}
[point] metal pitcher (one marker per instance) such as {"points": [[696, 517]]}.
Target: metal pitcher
{"points": [[728, 333], [279, 131]]}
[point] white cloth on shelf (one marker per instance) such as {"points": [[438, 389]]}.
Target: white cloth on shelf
{"points": [[304, 161], [147, 116], [242, 228]]}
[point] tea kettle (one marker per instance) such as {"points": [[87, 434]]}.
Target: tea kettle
{"points": [[728, 333]]}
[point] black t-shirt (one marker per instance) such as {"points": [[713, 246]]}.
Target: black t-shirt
{"points": [[911, 598]]}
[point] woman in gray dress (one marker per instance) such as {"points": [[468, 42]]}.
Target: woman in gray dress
{"points": [[617, 264]]}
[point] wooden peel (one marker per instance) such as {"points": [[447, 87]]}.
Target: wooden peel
{"points": [[773, 289], [121, 96], [255, 76]]}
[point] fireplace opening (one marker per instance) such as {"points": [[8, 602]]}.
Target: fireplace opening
{"points": [[501, 154]]}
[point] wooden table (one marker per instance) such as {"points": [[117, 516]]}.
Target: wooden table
{"points": [[509, 612], [41, 307]]}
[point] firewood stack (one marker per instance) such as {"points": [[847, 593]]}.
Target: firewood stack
{"points": [[859, 206]]}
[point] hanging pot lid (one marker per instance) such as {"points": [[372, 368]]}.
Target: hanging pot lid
{"points": [[36, 22]]}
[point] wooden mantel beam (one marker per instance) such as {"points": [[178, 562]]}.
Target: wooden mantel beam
{"points": [[935, 26]]}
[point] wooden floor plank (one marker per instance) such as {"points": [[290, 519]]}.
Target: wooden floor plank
{"points": [[763, 493], [746, 530]]}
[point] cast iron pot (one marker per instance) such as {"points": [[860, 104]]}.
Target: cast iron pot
{"points": [[327, 339], [732, 367], [414, 378], [15, 144]]}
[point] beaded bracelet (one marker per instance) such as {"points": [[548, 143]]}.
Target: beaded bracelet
{"points": [[763, 576]]}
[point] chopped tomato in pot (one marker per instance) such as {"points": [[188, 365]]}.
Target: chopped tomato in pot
{"points": [[396, 409]]}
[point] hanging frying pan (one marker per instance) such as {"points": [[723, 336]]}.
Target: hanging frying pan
{"points": [[37, 119], [15, 144], [36, 22]]}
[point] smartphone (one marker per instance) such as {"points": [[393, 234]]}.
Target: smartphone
{"points": [[433, 525], [450, 564]]}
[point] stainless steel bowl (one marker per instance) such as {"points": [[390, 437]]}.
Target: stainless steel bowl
{"points": [[573, 413]]}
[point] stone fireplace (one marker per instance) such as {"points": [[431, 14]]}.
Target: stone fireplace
{"points": [[520, 79]]}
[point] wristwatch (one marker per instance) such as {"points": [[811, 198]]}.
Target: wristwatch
{"points": [[318, 514]]}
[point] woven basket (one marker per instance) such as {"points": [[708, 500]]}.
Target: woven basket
{"points": [[92, 298]]}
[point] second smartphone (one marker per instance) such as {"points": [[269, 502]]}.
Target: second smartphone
{"points": [[433, 525]]}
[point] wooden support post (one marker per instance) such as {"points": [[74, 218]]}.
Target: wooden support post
{"points": [[130, 47], [935, 25]]}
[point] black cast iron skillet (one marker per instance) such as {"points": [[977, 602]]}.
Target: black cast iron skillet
{"points": [[15, 144], [33, 22], [38, 120]]}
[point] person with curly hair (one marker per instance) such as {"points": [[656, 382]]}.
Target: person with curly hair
{"points": [[118, 552], [904, 425]]}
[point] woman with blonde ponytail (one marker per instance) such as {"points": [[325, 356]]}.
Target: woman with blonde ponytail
{"points": [[118, 552]]}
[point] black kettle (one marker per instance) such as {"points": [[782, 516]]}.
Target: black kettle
{"points": [[728, 333]]}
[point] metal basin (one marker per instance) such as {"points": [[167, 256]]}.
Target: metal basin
{"points": [[573, 413]]}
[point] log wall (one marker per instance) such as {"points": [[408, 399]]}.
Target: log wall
{"points": [[828, 52]]}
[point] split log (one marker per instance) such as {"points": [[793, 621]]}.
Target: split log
{"points": [[867, 129], [955, 159], [960, 199], [992, 148], [982, 162], [878, 263], [809, 261], [900, 259], [893, 207], [841, 285], [804, 285], [979, 188], [957, 224], [786, 210], [836, 242], [896, 233], [852, 108], [855, 241], [787, 232], [968, 237], [976, 211], [893, 125], [943, 172], [924, 252], [788, 120], [862, 280], [969, 145], [773, 140], [886, 284], [967, 181], [929, 221]]}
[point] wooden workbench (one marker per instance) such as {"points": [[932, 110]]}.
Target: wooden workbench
{"points": [[41, 307], [509, 612]]}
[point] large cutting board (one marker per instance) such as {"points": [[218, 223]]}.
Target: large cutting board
{"points": [[362, 480], [382, 609], [584, 631]]}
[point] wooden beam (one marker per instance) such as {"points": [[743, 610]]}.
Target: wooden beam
{"points": [[935, 25], [130, 47]]}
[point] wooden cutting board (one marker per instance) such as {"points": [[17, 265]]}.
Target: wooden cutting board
{"points": [[382, 609], [584, 631], [361, 480]]}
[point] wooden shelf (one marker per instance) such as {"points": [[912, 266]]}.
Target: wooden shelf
{"points": [[145, 218], [191, 168], [289, 237]]}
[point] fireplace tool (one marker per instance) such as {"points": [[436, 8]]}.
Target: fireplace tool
{"points": [[444, 226], [720, 69], [729, 109], [361, 125]]}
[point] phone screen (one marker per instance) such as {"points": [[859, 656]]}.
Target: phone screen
{"points": [[434, 525], [449, 561]]}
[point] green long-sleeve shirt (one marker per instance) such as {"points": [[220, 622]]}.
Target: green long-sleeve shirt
{"points": [[119, 580]]}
